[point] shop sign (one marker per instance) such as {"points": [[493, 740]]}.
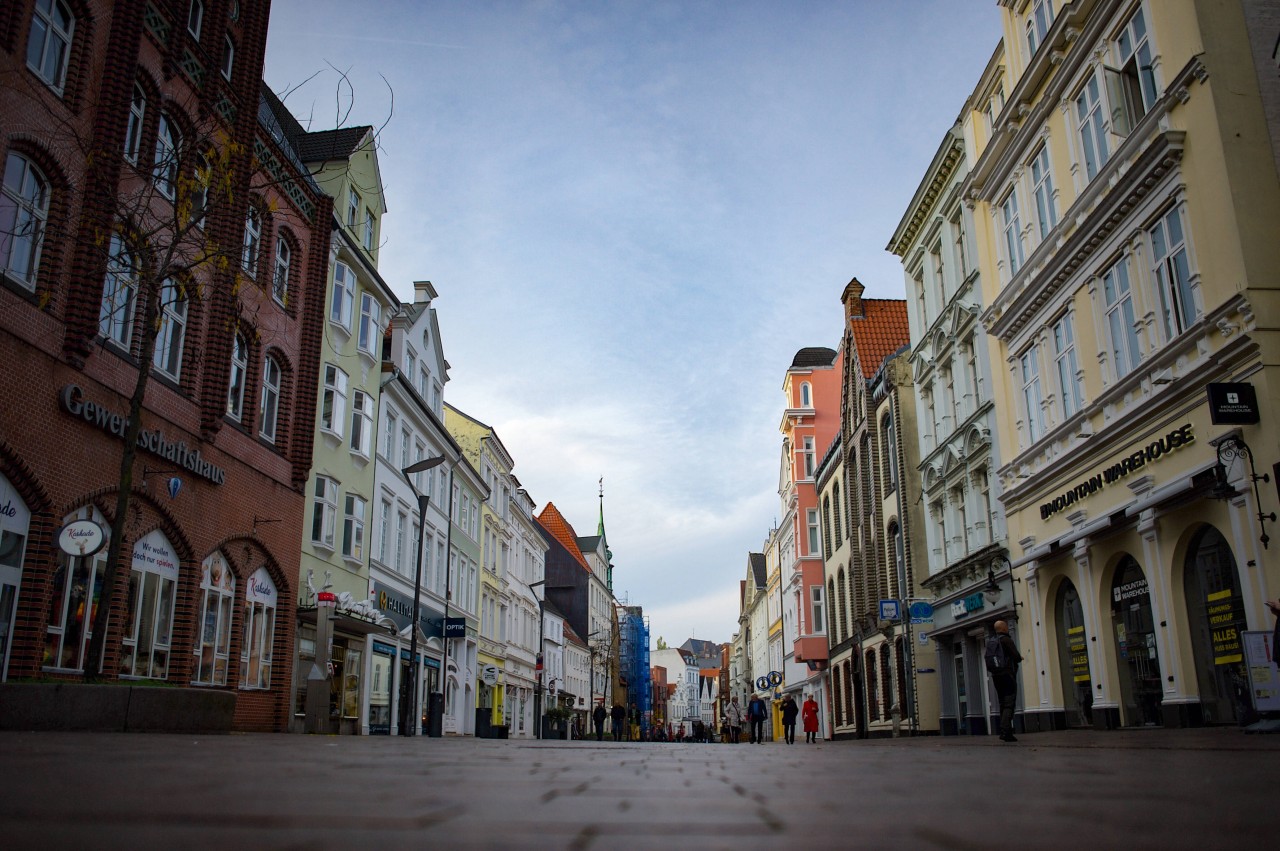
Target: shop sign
{"points": [[399, 608], [1079, 650], [81, 538], [974, 602], [1223, 627], [489, 674], [1153, 451], [73, 402], [1128, 591], [1233, 404], [455, 627], [387, 649]]}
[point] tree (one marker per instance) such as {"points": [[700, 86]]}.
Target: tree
{"points": [[662, 644]]}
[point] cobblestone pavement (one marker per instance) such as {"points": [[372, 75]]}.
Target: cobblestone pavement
{"points": [[1145, 789]]}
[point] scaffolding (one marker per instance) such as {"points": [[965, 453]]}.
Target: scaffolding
{"points": [[633, 660]]}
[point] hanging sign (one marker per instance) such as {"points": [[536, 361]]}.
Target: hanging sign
{"points": [[1233, 404], [81, 538]]}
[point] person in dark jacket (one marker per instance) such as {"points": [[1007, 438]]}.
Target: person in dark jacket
{"points": [[755, 716], [789, 713], [619, 716], [597, 717], [1006, 681]]}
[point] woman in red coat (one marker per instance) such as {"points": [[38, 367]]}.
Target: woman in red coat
{"points": [[810, 714]]}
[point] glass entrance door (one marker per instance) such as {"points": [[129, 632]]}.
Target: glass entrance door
{"points": [[1135, 634], [1216, 614], [1073, 658]]}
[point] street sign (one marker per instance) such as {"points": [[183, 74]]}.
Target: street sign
{"points": [[762, 683], [921, 613], [890, 610]]}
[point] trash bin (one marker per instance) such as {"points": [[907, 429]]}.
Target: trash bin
{"points": [[484, 722]]}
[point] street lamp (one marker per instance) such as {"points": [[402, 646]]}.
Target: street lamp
{"points": [[424, 500], [539, 658]]}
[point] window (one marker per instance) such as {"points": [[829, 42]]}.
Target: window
{"points": [[259, 630], [24, 210], [1173, 275], [195, 17], [1093, 137], [1064, 355], [889, 441], [806, 395], [353, 520], [1132, 88], [73, 605], [324, 512], [1042, 181], [228, 56], [402, 560], [411, 361], [252, 241], [165, 170], [367, 338], [239, 369], [1028, 364], [368, 229], [199, 190], [1012, 224], [280, 281], [389, 443], [148, 624], [809, 460], [811, 520], [333, 402], [826, 525], [213, 647], [1038, 23], [835, 493], [115, 322], [958, 237], [167, 356], [353, 208], [362, 423], [1122, 330], [384, 532], [137, 113], [819, 621], [269, 408], [52, 29], [344, 287]]}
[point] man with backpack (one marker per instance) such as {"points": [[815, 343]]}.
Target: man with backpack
{"points": [[1002, 659]]}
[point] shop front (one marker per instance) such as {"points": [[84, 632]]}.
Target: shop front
{"points": [[15, 523]]}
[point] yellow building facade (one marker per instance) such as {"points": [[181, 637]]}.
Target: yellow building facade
{"points": [[1124, 197]]}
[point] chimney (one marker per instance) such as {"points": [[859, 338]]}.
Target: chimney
{"points": [[423, 291], [852, 299]]}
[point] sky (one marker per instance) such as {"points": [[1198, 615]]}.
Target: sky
{"points": [[635, 214]]}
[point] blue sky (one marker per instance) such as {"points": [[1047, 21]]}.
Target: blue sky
{"points": [[635, 214]]}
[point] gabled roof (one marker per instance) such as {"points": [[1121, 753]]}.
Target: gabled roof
{"points": [[759, 569], [813, 356], [589, 543], [553, 521], [325, 145], [879, 332], [572, 637]]}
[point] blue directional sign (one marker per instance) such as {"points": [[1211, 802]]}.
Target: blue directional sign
{"points": [[890, 610]]}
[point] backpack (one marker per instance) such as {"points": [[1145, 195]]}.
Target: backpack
{"points": [[997, 659]]}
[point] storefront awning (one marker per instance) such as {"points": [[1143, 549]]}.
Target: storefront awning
{"points": [[343, 622]]}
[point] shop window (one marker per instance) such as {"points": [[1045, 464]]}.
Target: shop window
{"points": [[1215, 611], [77, 586], [886, 681], [148, 631], [1073, 657], [1138, 660], [259, 631], [217, 599]]}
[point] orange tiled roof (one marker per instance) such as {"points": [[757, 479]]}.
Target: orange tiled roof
{"points": [[879, 332], [553, 521]]}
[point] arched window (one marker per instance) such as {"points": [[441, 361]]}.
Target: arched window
{"points": [[837, 515], [873, 686], [269, 409], [137, 117], [260, 600], [148, 628], [168, 146], [844, 605], [239, 369], [280, 281], [890, 443], [115, 321], [172, 335], [886, 680], [826, 525], [217, 598], [806, 395], [77, 586], [52, 30], [24, 211]]}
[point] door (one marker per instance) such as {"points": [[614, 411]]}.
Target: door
{"points": [[1135, 635]]}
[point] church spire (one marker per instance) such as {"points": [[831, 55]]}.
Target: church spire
{"points": [[608, 556]]}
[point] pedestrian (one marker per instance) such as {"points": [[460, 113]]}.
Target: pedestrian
{"points": [[633, 724], [597, 717], [755, 717], [1002, 659], [619, 716], [733, 719], [809, 714], [789, 713], [680, 732]]}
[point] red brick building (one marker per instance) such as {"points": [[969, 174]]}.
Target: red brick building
{"points": [[158, 101]]}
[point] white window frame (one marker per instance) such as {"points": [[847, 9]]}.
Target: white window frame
{"points": [[172, 334], [1091, 132], [283, 264], [269, 407], [1067, 366], [137, 119], [217, 606], [1032, 396], [353, 208], [1121, 325], [228, 57], [817, 609], [362, 423], [1011, 227], [333, 400], [1042, 189], [1177, 286], [195, 18], [259, 635], [252, 241], [355, 513], [26, 194], [52, 33], [367, 336], [119, 294], [368, 229], [165, 168], [238, 378], [344, 293], [149, 627], [324, 512]]}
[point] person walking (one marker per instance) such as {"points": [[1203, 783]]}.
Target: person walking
{"points": [[597, 717], [1002, 658], [733, 719], [618, 714], [633, 724], [809, 712], [755, 717], [789, 713]]}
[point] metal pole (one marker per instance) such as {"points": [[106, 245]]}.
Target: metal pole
{"points": [[410, 728], [444, 628]]}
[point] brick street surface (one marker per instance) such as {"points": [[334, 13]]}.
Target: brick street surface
{"points": [[1206, 788]]}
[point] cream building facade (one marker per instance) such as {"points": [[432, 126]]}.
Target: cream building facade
{"points": [[1124, 193]]}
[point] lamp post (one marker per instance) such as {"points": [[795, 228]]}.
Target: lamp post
{"points": [[539, 658], [424, 500]]}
